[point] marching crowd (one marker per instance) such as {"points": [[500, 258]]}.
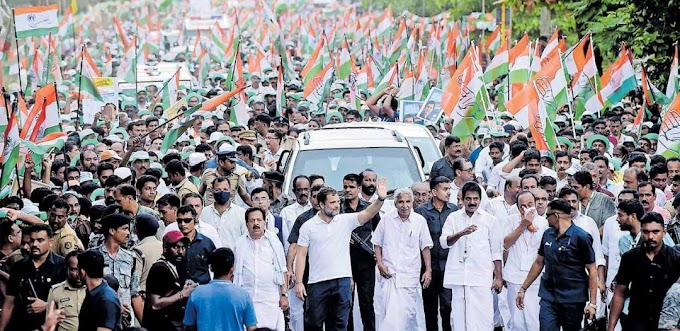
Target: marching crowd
{"points": [[119, 235]]}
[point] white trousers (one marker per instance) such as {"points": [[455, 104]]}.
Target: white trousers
{"points": [[297, 318], [399, 306], [471, 308], [527, 318]]}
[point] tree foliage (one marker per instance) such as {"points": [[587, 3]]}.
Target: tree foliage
{"points": [[648, 27]]}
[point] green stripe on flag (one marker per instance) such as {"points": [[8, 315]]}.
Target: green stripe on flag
{"points": [[37, 32]]}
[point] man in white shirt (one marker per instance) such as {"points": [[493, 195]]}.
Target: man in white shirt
{"points": [[368, 179], [611, 233], [326, 237], [563, 164], [532, 160], [523, 233], [223, 215], [399, 240], [504, 205], [474, 262], [464, 173], [289, 214], [260, 268], [496, 181]]}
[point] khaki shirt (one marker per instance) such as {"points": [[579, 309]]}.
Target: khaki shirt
{"points": [[237, 182], [152, 250], [65, 241], [69, 299], [185, 187]]}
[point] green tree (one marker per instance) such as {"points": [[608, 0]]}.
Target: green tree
{"points": [[648, 27]]}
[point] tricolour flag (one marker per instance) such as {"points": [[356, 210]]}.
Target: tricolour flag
{"points": [[170, 91], [493, 42], [498, 66], [465, 98], [36, 21], [669, 133], [280, 97], [204, 67], [11, 143], [52, 141], [673, 77], [88, 90], [44, 117], [314, 90], [618, 80], [66, 25], [176, 131], [586, 83], [127, 70], [344, 65]]}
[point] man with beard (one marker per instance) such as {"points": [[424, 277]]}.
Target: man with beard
{"points": [[65, 239], [326, 237], [474, 262], [562, 163], [594, 204], [88, 161], [399, 240], [200, 246], [109, 191], [360, 249], [68, 295], [167, 288], [260, 268], [30, 282], [146, 190], [648, 270], [301, 186], [436, 298], [367, 179], [101, 309], [296, 305]]}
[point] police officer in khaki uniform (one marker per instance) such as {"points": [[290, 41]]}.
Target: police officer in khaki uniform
{"points": [[65, 238], [227, 167], [247, 137], [68, 295]]}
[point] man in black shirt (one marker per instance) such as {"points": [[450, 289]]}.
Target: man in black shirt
{"points": [[361, 250], [648, 271], [166, 287], [101, 308], [30, 282], [435, 211]]}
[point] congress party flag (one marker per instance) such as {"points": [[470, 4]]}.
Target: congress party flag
{"points": [[669, 133], [36, 21]]}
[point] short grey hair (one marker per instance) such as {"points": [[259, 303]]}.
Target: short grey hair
{"points": [[400, 191], [415, 185]]}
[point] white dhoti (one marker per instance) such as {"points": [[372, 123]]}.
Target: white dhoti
{"points": [[525, 319], [501, 311], [398, 304], [471, 308], [297, 318]]}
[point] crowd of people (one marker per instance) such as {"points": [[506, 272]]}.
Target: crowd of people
{"points": [[124, 229]]}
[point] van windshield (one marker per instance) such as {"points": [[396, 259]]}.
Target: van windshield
{"points": [[395, 163]]}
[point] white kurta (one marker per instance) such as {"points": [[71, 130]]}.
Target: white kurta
{"points": [[470, 267], [401, 243], [257, 257], [521, 256], [288, 215], [230, 225], [611, 233]]}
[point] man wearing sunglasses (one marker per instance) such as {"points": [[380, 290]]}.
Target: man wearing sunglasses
{"points": [[196, 258], [566, 291]]}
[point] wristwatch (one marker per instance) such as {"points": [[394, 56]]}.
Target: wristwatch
{"points": [[592, 305]]}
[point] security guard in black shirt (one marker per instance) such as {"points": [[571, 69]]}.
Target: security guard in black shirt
{"points": [[30, 282]]}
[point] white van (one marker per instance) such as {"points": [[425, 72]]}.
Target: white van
{"points": [[333, 152]]}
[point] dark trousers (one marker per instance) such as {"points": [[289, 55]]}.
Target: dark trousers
{"points": [[553, 315], [329, 303], [629, 323], [364, 284], [437, 299]]}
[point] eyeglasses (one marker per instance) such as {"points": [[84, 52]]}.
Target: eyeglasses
{"points": [[184, 220]]}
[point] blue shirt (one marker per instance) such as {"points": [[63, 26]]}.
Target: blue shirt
{"points": [[442, 167], [219, 305], [196, 259], [101, 309], [565, 259]]}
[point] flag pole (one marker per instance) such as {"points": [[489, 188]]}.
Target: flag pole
{"points": [[46, 75], [136, 82], [80, 86], [16, 40], [15, 108], [56, 97], [163, 88]]}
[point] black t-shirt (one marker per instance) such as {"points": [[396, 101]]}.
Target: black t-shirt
{"points": [[101, 309], [162, 281], [295, 234], [28, 281]]}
